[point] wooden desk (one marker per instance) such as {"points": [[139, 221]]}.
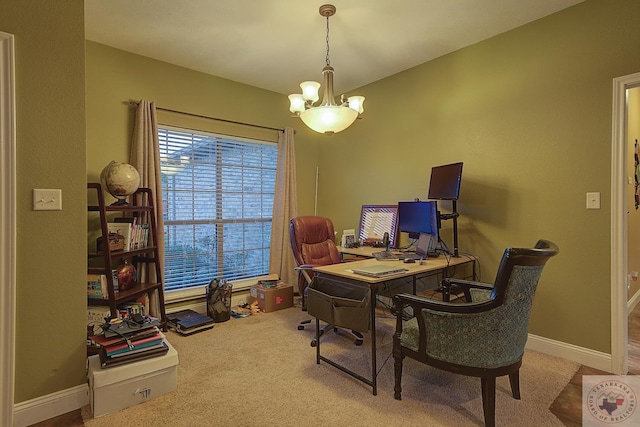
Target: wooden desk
{"points": [[362, 251], [345, 275]]}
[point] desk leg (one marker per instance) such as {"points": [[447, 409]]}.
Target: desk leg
{"points": [[317, 341], [374, 369]]}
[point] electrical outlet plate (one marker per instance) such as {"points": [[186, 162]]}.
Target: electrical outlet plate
{"points": [[47, 199], [593, 200]]}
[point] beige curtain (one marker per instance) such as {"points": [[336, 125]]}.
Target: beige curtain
{"points": [[285, 207], [145, 157]]}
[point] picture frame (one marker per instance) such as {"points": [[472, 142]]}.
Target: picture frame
{"points": [[375, 220]]}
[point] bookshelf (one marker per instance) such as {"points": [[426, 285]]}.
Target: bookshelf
{"points": [[106, 259]]}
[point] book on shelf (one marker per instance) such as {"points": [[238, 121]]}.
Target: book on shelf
{"points": [[97, 314], [94, 286], [187, 322], [97, 285], [137, 234], [123, 229]]}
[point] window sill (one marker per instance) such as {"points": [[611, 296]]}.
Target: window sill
{"points": [[201, 291]]}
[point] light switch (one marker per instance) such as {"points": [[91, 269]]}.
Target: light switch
{"points": [[47, 200], [593, 200]]}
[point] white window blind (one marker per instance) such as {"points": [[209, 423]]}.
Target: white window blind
{"points": [[217, 204]]}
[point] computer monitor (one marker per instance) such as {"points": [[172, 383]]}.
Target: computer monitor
{"points": [[445, 182], [418, 217]]}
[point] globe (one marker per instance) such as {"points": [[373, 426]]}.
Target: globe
{"points": [[120, 180]]}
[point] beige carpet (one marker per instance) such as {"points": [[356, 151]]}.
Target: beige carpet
{"points": [[261, 371]]}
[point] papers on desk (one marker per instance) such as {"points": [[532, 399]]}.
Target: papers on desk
{"points": [[378, 270]]}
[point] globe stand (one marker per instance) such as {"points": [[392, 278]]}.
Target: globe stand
{"points": [[120, 202]]}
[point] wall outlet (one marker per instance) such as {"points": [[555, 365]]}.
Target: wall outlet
{"points": [[593, 200]]}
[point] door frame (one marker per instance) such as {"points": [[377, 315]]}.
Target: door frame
{"points": [[619, 228], [7, 226]]}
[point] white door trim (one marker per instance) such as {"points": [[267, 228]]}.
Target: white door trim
{"points": [[619, 311], [7, 226]]}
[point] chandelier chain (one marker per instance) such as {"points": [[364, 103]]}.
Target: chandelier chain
{"points": [[328, 62]]}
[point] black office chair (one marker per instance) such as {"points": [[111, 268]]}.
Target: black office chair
{"points": [[313, 244]]}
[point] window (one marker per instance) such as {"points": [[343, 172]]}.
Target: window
{"points": [[217, 204]]}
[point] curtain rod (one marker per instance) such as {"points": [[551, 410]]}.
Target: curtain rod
{"points": [[211, 118]]}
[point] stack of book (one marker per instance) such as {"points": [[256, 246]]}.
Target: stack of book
{"points": [[187, 322], [129, 342]]}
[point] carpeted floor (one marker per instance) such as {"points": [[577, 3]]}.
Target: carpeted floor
{"points": [[261, 370]]}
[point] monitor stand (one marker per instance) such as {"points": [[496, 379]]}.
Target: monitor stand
{"points": [[454, 216]]}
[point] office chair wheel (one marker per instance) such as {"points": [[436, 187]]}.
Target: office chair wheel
{"points": [[301, 324], [314, 343], [359, 338]]}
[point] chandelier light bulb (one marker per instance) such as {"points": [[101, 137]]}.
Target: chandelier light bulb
{"points": [[355, 103], [296, 103], [310, 91]]}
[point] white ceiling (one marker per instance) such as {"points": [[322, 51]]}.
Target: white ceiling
{"points": [[276, 44]]}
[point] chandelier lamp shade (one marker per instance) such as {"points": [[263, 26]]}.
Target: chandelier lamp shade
{"points": [[328, 117]]}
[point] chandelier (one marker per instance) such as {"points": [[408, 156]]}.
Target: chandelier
{"points": [[327, 117]]}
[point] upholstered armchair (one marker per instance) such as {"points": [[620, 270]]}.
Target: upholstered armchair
{"points": [[482, 337]]}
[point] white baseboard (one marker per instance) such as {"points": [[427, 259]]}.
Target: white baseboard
{"points": [[50, 406], [583, 356], [200, 306]]}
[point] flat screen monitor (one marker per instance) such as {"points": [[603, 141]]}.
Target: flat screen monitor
{"points": [[418, 217], [445, 182]]}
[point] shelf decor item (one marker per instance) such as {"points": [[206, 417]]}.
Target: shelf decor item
{"points": [[120, 180], [127, 276]]}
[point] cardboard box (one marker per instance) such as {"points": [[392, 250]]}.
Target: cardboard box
{"points": [[119, 387], [272, 299]]}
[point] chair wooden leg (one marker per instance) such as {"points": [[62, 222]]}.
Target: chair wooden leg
{"points": [[397, 359], [489, 401], [514, 380]]}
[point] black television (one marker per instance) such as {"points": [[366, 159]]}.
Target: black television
{"points": [[418, 217], [445, 182]]}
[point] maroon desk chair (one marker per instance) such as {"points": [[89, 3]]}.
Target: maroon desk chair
{"points": [[313, 245]]}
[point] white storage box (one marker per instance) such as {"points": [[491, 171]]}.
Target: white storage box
{"points": [[119, 387]]}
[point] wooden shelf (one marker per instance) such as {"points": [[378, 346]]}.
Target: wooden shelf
{"points": [[142, 205], [129, 294]]}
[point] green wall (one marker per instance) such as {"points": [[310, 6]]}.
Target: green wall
{"points": [[50, 352], [114, 77], [529, 112]]}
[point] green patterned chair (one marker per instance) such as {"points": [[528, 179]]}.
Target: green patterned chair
{"points": [[481, 337]]}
